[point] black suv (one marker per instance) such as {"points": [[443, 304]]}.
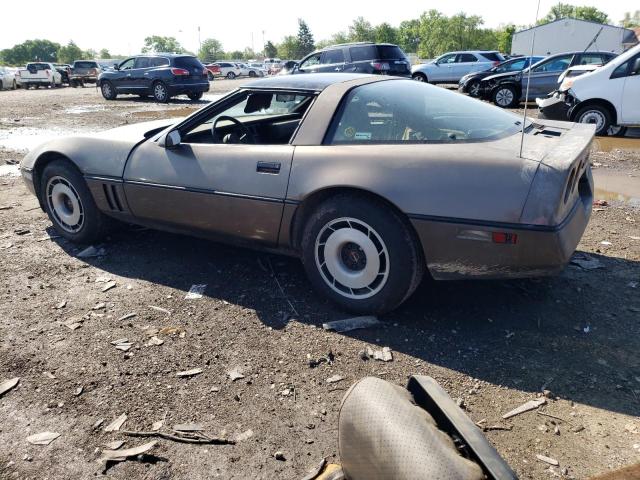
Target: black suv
{"points": [[161, 75], [361, 57]]}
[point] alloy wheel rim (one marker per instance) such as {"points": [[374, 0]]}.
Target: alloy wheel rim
{"points": [[106, 89], [474, 89], [419, 78], [504, 96], [352, 258], [159, 91], [65, 204], [593, 117]]}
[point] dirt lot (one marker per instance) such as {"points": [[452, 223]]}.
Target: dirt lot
{"points": [[495, 345]]}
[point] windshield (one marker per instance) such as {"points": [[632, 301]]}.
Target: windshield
{"points": [[407, 111]]}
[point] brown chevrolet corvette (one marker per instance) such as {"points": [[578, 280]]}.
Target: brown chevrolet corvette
{"points": [[370, 180]]}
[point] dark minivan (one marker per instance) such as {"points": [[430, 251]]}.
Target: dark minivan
{"points": [[361, 57], [160, 75]]}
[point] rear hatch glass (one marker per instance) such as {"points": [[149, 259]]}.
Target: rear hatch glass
{"points": [[493, 56], [392, 54], [85, 65], [38, 67], [193, 66]]}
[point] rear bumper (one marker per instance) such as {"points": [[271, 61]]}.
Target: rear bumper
{"points": [[182, 88], [457, 249]]}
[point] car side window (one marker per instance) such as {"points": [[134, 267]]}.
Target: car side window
{"points": [[127, 64], [624, 69], [447, 59], [311, 61], [558, 64], [512, 67], [142, 62], [465, 58], [332, 56], [590, 59], [158, 62]]}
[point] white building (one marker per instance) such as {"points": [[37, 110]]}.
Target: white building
{"points": [[570, 34]]}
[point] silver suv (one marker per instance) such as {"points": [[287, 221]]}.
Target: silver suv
{"points": [[452, 66]]}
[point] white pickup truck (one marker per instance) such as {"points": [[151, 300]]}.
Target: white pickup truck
{"points": [[39, 74]]}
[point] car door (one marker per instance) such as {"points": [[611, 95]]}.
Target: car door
{"points": [[229, 190], [332, 61], [140, 73], [544, 77], [310, 64], [630, 101], [465, 63], [443, 69], [122, 78]]}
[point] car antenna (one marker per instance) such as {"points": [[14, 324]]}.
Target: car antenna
{"points": [[526, 96]]}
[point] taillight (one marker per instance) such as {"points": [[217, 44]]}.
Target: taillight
{"points": [[205, 71], [179, 71], [503, 237], [48, 73], [380, 65]]}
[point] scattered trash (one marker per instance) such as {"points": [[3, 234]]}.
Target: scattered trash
{"points": [[22, 231], [49, 375], [7, 385], [188, 427], [172, 331], [632, 237], [48, 237], [99, 306], [79, 391], [44, 438], [246, 435], [383, 355], [108, 286], [122, 455], [116, 424], [587, 329], [127, 316], [313, 362], [279, 456], [316, 471], [530, 405], [586, 262], [60, 305], [577, 428], [549, 460], [235, 374], [605, 243], [153, 341], [184, 437], [496, 427], [189, 373], [601, 203], [335, 379], [195, 292], [91, 252], [73, 324], [115, 445], [160, 309], [97, 424], [155, 426], [349, 324], [122, 344], [102, 279]]}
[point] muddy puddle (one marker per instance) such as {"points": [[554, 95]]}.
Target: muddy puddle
{"points": [[617, 187], [609, 144]]}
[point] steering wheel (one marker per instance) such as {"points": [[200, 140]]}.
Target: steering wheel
{"points": [[247, 133]]}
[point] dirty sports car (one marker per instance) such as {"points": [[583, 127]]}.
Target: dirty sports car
{"points": [[370, 180]]}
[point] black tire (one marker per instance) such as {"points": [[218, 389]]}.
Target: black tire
{"points": [[617, 131], [160, 92], [195, 96], [94, 225], [14, 85], [252, 73], [210, 76], [231, 75], [108, 90], [597, 115], [420, 77], [473, 88], [505, 96], [398, 266]]}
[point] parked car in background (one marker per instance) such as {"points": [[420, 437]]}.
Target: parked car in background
{"points": [[40, 74], [228, 69], [246, 70], [65, 71], [288, 66], [509, 89], [470, 83], [452, 66], [213, 71], [8, 78], [273, 65], [162, 76], [360, 57], [607, 97], [84, 71]]}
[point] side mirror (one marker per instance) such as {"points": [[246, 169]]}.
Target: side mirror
{"points": [[171, 139], [116, 67], [635, 70]]}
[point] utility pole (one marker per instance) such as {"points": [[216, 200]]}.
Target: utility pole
{"points": [[199, 40], [264, 45]]}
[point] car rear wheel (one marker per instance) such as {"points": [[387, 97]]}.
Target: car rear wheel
{"points": [[252, 73], [69, 203], [595, 115], [195, 96], [419, 77], [231, 75], [160, 92], [473, 88], [108, 90], [210, 76], [361, 254], [505, 97], [14, 85]]}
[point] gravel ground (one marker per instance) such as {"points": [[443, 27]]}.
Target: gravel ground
{"points": [[493, 344]]}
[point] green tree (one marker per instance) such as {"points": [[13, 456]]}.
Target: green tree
{"points": [[234, 55], [409, 35], [385, 33], [288, 48], [336, 38], [305, 41], [211, 50], [631, 21], [505, 37], [31, 50], [156, 43], [565, 10], [90, 53], [361, 31], [104, 53], [270, 50], [70, 52]]}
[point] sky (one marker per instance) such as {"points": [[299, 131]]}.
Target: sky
{"points": [[122, 27]]}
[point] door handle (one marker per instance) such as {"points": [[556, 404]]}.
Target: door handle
{"points": [[268, 167]]}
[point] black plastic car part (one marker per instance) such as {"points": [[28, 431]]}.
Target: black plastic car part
{"points": [[451, 419]]}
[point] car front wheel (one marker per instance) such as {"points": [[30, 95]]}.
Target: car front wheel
{"points": [[595, 115], [361, 254], [108, 90], [69, 203], [505, 97], [474, 88], [231, 75], [419, 77]]}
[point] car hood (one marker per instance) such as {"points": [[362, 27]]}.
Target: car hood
{"points": [[502, 76], [102, 153]]}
